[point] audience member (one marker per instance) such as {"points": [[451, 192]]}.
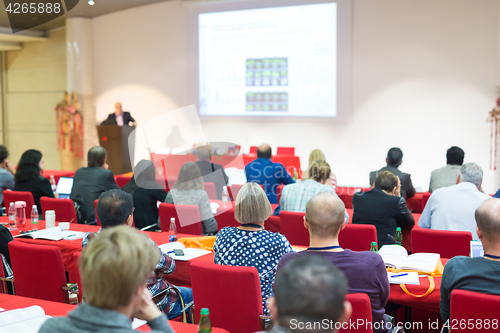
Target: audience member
{"points": [[115, 208], [309, 291], [453, 207], [476, 274], [189, 191], [146, 192], [5, 239], [317, 155], [384, 207], [210, 171], [7, 172], [114, 269], [249, 244], [447, 175], [394, 160], [29, 177], [89, 182], [365, 271], [263, 171]]}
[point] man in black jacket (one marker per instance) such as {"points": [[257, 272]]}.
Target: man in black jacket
{"points": [[119, 117], [210, 171]]}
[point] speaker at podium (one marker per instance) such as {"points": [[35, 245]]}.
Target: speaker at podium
{"points": [[115, 139]]}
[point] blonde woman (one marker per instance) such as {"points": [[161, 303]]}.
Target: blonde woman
{"points": [[317, 155]]}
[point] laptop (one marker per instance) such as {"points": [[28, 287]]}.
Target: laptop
{"points": [[64, 186], [476, 249]]}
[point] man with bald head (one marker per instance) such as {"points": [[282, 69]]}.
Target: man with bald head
{"points": [[211, 172], [365, 271], [119, 117], [266, 173], [476, 274]]}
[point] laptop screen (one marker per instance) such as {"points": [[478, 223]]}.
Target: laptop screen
{"points": [[64, 186]]}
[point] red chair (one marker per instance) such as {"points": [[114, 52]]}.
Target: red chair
{"points": [[13, 196], [286, 151], [226, 219], [445, 242], [279, 190], [220, 288], [234, 190], [425, 198], [122, 180], [357, 237], [253, 150], [210, 189], [292, 227], [187, 218], [361, 313], [38, 271], [468, 306], [65, 209], [76, 258], [96, 216]]}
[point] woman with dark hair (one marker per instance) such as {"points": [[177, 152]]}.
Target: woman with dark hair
{"points": [[189, 191], [29, 177], [146, 192]]}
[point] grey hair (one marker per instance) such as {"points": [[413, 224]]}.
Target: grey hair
{"points": [[472, 173], [203, 153], [252, 204]]}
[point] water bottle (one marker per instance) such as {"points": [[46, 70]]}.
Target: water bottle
{"points": [[373, 247], [225, 194], [204, 325], [53, 183], [398, 237], [172, 231], [12, 215], [34, 218], [295, 174]]}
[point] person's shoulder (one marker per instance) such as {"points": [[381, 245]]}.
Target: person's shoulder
{"points": [[459, 262], [42, 179], [55, 325], [366, 258]]}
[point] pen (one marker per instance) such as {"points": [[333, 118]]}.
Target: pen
{"points": [[71, 235], [399, 275]]}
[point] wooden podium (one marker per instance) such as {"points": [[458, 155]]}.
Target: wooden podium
{"points": [[115, 139]]}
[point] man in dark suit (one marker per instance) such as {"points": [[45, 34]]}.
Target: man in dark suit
{"points": [[384, 207], [90, 182], [210, 171], [119, 118], [394, 160]]}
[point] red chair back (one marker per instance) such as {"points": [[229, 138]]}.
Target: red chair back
{"points": [[468, 306], [279, 190], [447, 243], [286, 151], [234, 190], [64, 208], [96, 216], [187, 218], [362, 311], [122, 180], [219, 288], [226, 219], [292, 227], [13, 196], [425, 198], [210, 189], [253, 150], [38, 271], [357, 237], [76, 258]]}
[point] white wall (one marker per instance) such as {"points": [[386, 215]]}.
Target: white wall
{"points": [[424, 75]]}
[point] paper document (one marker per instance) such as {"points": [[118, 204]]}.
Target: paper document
{"points": [[213, 207], [403, 278], [25, 320], [54, 234], [189, 254]]}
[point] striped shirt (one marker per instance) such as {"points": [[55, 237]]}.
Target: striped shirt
{"points": [[295, 196]]}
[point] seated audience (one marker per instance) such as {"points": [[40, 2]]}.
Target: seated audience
{"points": [[249, 244], [5, 239], [7, 172], [189, 191], [394, 160], [146, 192], [115, 208], [384, 207], [210, 171], [365, 271], [89, 182], [476, 274], [453, 207], [114, 268], [308, 292], [447, 175], [317, 155], [29, 177], [263, 171]]}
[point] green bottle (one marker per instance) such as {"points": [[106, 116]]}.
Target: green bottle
{"points": [[373, 247], [204, 325], [295, 174], [398, 237]]}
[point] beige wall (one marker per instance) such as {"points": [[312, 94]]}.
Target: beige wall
{"points": [[35, 81]]}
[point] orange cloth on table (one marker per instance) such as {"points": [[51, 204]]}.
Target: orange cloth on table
{"points": [[202, 242]]}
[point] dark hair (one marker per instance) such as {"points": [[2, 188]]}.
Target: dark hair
{"points": [[144, 177], [310, 289], [455, 156], [96, 156], [320, 170], [264, 152], [4, 153], [29, 166], [189, 177], [394, 157], [386, 181], [114, 207]]}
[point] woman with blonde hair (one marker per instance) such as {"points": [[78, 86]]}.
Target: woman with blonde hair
{"points": [[317, 155]]}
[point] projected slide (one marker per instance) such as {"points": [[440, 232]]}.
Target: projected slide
{"points": [[269, 62]]}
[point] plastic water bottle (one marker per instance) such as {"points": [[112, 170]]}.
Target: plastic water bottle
{"points": [[204, 325], [172, 231], [225, 194], [53, 183], [373, 247], [398, 237], [12, 215], [34, 218]]}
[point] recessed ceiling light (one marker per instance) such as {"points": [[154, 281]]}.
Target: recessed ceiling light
{"points": [[91, 2]]}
